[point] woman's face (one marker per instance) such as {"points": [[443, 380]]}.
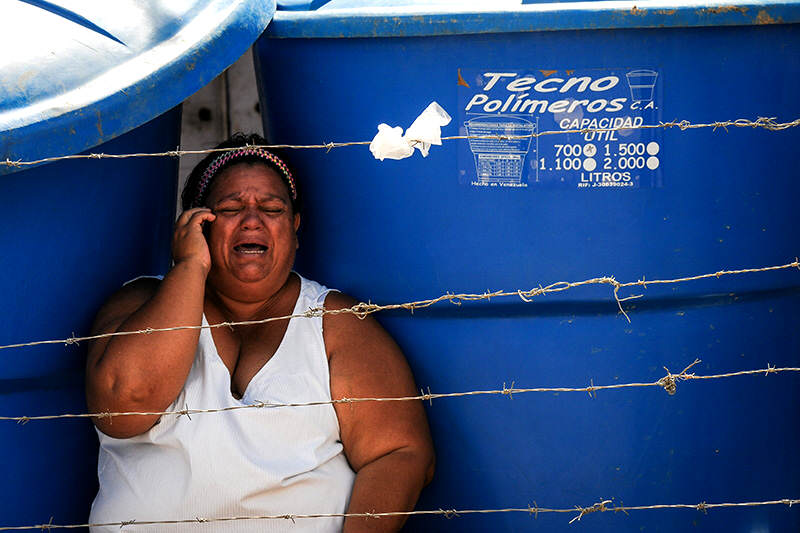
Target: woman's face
{"points": [[253, 239]]}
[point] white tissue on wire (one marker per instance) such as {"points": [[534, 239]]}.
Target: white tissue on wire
{"points": [[390, 143]]}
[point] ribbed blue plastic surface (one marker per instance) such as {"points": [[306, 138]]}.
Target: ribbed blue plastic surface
{"points": [[72, 233], [397, 231]]}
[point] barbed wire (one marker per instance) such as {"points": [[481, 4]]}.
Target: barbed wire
{"points": [[669, 383], [767, 123], [533, 510], [363, 309]]}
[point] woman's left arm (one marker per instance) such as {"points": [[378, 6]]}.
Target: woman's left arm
{"points": [[388, 444]]}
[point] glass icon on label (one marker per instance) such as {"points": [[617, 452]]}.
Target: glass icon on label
{"points": [[642, 83], [499, 160]]}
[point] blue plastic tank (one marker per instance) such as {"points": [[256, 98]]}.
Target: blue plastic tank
{"points": [[100, 78], [505, 214]]}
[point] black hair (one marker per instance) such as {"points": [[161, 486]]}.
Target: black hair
{"points": [[189, 196]]}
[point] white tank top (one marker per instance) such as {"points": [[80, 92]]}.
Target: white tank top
{"points": [[279, 461]]}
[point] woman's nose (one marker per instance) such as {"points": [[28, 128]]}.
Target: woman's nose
{"points": [[251, 218]]}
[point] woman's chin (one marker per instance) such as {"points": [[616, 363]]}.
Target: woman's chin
{"points": [[251, 274], [239, 274]]}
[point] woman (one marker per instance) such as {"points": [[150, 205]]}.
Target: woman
{"points": [[233, 250]]}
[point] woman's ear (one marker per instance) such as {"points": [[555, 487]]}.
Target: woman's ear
{"points": [[296, 227]]}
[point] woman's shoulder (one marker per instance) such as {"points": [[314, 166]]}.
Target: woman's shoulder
{"points": [[126, 300], [347, 331], [141, 288], [335, 300]]}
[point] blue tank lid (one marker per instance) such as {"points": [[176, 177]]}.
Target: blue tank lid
{"points": [[412, 18], [76, 74], [300, 5]]}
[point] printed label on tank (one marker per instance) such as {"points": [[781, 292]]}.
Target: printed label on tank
{"points": [[509, 114]]}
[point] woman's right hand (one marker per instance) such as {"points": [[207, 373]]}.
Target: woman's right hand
{"points": [[188, 241]]}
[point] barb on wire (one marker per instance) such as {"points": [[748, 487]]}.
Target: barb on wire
{"points": [[600, 507], [767, 123], [363, 309], [668, 383]]}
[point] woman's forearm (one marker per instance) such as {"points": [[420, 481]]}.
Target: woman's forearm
{"points": [[390, 483], [145, 372]]}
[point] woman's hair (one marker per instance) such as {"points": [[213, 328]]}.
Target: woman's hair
{"points": [[203, 175]]}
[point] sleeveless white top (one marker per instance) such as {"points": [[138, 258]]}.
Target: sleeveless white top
{"points": [[269, 461]]}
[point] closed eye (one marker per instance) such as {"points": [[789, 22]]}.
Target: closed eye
{"points": [[227, 211]]}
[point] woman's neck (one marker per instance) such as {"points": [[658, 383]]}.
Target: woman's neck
{"points": [[235, 308]]}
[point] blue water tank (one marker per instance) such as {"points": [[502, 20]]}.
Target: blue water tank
{"points": [[506, 213], [102, 78]]}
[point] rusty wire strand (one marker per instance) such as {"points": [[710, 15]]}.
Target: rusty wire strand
{"points": [[668, 383], [363, 309], [767, 123], [599, 507]]}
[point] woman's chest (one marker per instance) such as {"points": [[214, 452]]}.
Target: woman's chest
{"points": [[245, 351]]}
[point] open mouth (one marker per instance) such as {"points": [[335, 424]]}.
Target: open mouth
{"points": [[250, 248]]}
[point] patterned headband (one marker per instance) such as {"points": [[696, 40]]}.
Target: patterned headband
{"points": [[245, 151]]}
